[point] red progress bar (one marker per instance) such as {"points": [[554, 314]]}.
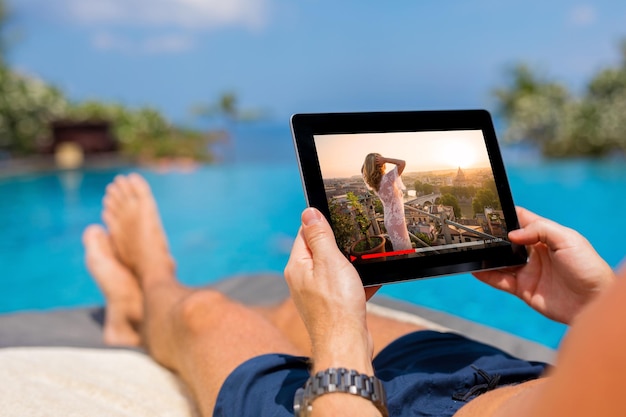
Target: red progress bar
{"points": [[384, 254]]}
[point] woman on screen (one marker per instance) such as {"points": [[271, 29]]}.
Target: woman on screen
{"points": [[389, 188]]}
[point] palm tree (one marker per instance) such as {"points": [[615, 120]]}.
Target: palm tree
{"points": [[226, 107]]}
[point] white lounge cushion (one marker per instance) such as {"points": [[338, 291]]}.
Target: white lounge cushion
{"points": [[68, 382]]}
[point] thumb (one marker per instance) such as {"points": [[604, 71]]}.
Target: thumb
{"points": [[318, 234]]}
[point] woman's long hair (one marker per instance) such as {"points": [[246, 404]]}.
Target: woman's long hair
{"points": [[372, 173]]}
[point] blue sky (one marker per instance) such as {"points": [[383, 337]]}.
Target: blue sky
{"points": [[308, 55]]}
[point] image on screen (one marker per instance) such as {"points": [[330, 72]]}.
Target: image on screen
{"points": [[410, 194]]}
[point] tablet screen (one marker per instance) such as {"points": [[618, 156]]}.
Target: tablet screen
{"points": [[410, 200]]}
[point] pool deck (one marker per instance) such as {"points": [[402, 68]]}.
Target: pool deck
{"points": [[81, 327]]}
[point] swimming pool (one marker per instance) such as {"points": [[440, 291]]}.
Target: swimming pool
{"points": [[241, 218]]}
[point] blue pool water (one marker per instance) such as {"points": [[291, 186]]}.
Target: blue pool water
{"points": [[241, 217]]}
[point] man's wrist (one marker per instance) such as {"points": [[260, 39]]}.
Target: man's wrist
{"points": [[347, 352], [349, 355], [362, 365]]}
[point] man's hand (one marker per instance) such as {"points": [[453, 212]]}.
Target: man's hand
{"points": [[329, 296], [563, 272]]}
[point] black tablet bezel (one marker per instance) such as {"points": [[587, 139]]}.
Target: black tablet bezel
{"points": [[306, 126]]}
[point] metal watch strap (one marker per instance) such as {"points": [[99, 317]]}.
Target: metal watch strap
{"points": [[340, 380]]}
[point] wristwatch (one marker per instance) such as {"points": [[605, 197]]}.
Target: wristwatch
{"points": [[339, 380]]}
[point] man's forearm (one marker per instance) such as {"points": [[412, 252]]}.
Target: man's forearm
{"points": [[588, 376]]}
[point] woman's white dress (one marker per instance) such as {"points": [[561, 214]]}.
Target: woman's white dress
{"points": [[391, 195]]}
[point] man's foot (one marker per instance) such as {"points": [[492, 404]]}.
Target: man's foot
{"points": [[132, 218], [124, 301]]}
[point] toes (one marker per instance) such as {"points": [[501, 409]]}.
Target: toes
{"points": [[99, 250], [114, 227], [139, 186], [123, 185], [110, 204], [124, 190], [118, 192], [92, 234], [113, 197], [119, 197], [108, 215], [96, 242]]}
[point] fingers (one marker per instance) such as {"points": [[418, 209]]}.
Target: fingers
{"points": [[501, 279], [551, 234], [537, 229], [526, 216]]}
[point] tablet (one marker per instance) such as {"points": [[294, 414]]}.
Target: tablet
{"points": [[410, 194]]}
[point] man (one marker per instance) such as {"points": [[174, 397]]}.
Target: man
{"points": [[240, 361]]}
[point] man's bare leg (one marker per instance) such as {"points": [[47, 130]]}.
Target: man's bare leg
{"points": [[200, 334], [124, 303], [384, 330]]}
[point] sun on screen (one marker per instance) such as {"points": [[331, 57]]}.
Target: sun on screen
{"points": [[460, 153]]}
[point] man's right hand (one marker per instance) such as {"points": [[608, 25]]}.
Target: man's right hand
{"points": [[563, 272]]}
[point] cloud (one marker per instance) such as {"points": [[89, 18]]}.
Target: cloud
{"points": [[167, 44], [190, 14], [162, 44], [150, 26], [582, 15]]}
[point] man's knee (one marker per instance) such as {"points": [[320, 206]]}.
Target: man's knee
{"points": [[200, 309]]}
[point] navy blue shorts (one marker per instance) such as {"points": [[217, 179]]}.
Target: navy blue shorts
{"points": [[425, 373]]}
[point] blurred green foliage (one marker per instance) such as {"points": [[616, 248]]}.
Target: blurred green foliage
{"points": [[145, 133], [545, 113], [227, 108], [28, 106]]}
